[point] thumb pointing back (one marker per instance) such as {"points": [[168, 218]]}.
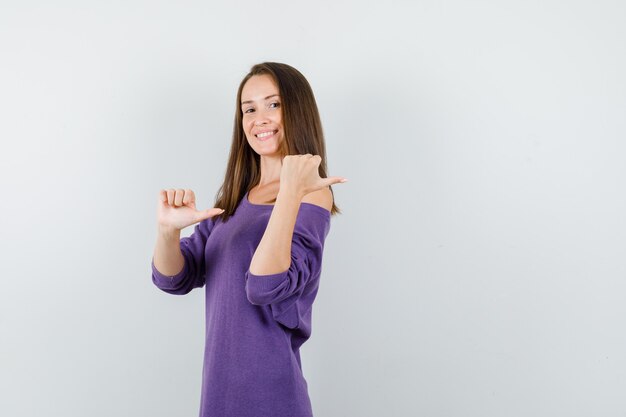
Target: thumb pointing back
{"points": [[333, 180]]}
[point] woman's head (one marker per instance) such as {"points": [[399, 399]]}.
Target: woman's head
{"points": [[302, 127], [272, 97], [262, 115]]}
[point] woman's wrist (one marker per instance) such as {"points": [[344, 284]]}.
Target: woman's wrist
{"points": [[287, 193], [168, 232]]}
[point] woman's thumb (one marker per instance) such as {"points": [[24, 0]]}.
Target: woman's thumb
{"points": [[208, 213], [334, 180]]}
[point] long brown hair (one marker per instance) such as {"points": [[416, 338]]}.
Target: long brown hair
{"points": [[302, 134]]}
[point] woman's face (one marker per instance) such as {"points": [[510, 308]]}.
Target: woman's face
{"points": [[262, 114]]}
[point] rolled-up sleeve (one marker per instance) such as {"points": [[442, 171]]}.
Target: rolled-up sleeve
{"points": [[193, 273], [290, 293]]}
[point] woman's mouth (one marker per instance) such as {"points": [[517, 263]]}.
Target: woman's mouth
{"points": [[265, 135]]}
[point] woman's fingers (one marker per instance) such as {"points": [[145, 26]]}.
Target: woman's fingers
{"points": [[169, 197], [177, 197], [183, 197], [189, 198]]}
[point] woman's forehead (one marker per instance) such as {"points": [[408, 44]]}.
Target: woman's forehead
{"points": [[258, 87]]}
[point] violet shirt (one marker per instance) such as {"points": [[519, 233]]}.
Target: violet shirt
{"points": [[255, 324]]}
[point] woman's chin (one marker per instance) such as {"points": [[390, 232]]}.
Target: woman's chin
{"points": [[269, 150], [269, 154]]}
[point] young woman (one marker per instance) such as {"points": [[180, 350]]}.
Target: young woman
{"points": [[259, 255]]}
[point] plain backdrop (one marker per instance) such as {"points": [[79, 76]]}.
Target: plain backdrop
{"points": [[477, 268]]}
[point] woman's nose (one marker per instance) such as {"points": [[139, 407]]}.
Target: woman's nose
{"points": [[261, 118]]}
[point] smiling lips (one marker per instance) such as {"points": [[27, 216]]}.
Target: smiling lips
{"points": [[265, 135]]}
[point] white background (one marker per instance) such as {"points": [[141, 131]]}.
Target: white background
{"points": [[478, 268]]}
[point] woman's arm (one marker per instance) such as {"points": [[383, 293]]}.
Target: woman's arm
{"points": [[273, 255], [299, 177], [178, 265], [168, 258]]}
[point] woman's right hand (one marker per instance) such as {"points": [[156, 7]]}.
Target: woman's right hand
{"points": [[177, 210]]}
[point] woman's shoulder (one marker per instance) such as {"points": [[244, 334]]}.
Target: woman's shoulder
{"points": [[322, 198]]}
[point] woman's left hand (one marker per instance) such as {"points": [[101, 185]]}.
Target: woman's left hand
{"points": [[299, 174]]}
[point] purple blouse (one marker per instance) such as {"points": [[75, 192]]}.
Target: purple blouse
{"points": [[255, 324]]}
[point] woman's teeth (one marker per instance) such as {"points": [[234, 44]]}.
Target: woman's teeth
{"points": [[265, 134]]}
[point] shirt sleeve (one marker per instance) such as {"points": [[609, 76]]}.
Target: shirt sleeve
{"points": [[193, 274], [290, 293]]}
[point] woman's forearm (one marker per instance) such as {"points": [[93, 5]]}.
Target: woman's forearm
{"points": [[168, 259], [273, 255]]}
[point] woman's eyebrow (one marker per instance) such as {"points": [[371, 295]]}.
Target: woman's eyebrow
{"points": [[250, 101]]}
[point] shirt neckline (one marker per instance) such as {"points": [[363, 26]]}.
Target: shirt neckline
{"points": [[270, 206]]}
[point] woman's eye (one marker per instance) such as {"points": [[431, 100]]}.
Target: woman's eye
{"points": [[277, 104]]}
